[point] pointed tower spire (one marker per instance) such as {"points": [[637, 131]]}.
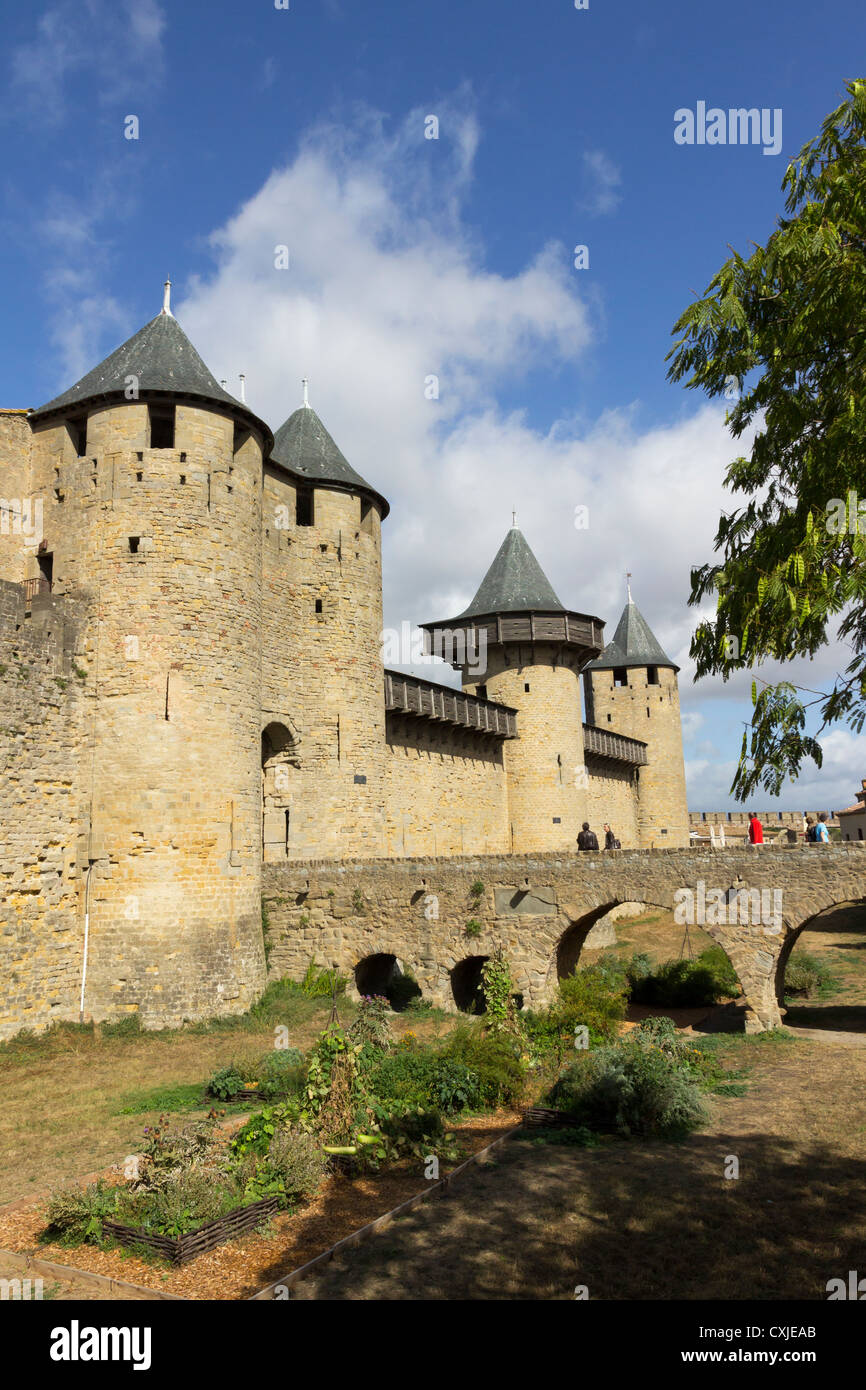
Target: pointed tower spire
{"points": [[634, 643], [166, 299]]}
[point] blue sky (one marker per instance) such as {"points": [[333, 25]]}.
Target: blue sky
{"points": [[411, 257]]}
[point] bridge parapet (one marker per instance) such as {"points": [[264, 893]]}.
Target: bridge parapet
{"points": [[417, 910]]}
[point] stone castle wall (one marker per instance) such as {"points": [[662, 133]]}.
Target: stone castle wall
{"points": [[650, 712], [41, 772], [613, 797], [322, 674], [547, 797], [445, 790]]}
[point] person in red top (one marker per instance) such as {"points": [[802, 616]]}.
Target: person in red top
{"points": [[756, 830]]}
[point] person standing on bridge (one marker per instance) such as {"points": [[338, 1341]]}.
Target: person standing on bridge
{"points": [[587, 839], [822, 834], [610, 840], [756, 830]]}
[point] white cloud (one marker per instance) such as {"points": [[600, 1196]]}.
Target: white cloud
{"points": [[603, 183], [115, 44]]}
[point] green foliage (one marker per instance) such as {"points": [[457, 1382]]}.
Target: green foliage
{"points": [[685, 983], [127, 1027], [640, 1085], [473, 927], [296, 1160], [76, 1214], [785, 327], [420, 1076], [496, 1058], [319, 982], [594, 998], [256, 1135], [358, 905], [226, 1082], [498, 988], [477, 889], [281, 1072], [162, 1099], [807, 975]]}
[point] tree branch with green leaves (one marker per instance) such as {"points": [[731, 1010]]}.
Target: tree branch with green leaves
{"points": [[782, 333]]}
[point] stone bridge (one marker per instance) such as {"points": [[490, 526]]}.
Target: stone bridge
{"points": [[440, 918]]}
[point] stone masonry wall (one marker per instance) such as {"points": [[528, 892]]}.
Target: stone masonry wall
{"points": [[540, 908], [445, 790], [322, 676], [612, 797], [41, 700]]}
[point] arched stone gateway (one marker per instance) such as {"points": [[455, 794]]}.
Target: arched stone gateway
{"points": [[466, 985], [382, 973], [539, 909]]}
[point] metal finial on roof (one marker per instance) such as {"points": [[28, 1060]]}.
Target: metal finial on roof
{"points": [[628, 584], [243, 388], [166, 299], [223, 383], [513, 520], [305, 383]]}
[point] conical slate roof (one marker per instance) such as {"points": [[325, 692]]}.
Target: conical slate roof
{"points": [[515, 583], [304, 446], [162, 358], [633, 644]]}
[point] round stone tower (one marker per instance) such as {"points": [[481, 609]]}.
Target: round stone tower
{"points": [[323, 684], [632, 689], [517, 644], [151, 478]]}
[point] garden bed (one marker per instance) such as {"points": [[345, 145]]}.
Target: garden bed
{"points": [[245, 1264]]}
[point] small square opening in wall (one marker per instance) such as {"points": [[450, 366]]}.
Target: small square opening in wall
{"points": [[620, 676], [526, 686], [134, 542], [557, 820], [360, 779], [183, 480], [318, 605], [138, 477]]}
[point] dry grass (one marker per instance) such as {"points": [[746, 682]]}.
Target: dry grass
{"points": [[62, 1095], [651, 1221]]}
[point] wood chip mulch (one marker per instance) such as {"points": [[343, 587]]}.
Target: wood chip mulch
{"points": [[241, 1267]]}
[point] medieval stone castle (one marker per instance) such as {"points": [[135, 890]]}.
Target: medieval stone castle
{"points": [[191, 686]]}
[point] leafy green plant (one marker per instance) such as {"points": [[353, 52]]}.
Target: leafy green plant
{"points": [[281, 1073], [498, 988], [76, 1214], [319, 982], [477, 889], [806, 975], [636, 1086], [685, 983], [226, 1082], [358, 905], [473, 927], [497, 1058]]}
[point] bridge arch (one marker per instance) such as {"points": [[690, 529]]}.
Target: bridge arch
{"points": [[466, 984], [384, 973], [793, 935]]}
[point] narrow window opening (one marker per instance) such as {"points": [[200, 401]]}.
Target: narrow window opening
{"points": [[620, 676], [304, 506], [183, 458], [652, 675], [859, 832], [366, 516], [647, 712], [46, 572], [608, 719], [138, 477], [134, 544], [230, 488], [183, 480], [288, 814], [318, 605], [161, 426], [526, 686], [482, 692], [78, 434]]}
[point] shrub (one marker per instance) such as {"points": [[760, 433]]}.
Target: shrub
{"points": [[594, 997], [371, 1025], [319, 982], [420, 1076], [281, 1073], [495, 1057], [805, 974], [296, 1159], [685, 983], [226, 1082], [639, 1085], [76, 1214]]}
